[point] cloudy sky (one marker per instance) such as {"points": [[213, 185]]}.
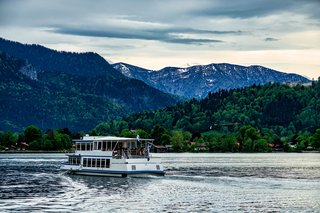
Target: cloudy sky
{"points": [[279, 34]]}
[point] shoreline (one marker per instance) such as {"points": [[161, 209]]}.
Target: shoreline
{"points": [[32, 152], [62, 152]]}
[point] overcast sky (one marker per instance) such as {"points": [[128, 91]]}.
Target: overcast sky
{"points": [[279, 34]]}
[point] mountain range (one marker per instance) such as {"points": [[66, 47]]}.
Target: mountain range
{"points": [[54, 89], [198, 81]]}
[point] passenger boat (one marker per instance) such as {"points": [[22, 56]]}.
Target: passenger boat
{"points": [[112, 156]]}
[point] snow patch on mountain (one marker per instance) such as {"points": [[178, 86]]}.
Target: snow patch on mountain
{"points": [[198, 81]]}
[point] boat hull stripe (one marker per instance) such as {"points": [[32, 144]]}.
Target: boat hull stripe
{"points": [[119, 172]]}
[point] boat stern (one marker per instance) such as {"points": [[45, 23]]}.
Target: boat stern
{"points": [[70, 167]]}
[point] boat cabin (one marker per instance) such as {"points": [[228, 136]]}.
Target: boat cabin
{"points": [[114, 147], [112, 156]]}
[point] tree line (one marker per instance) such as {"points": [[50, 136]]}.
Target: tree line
{"points": [[246, 139], [33, 139], [253, 119], [259, 118]]}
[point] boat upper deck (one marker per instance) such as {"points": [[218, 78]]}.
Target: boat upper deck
{"points": [[115, 147]]}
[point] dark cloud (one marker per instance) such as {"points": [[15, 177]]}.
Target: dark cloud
{"points": [[217, 32], [271, 39], [163, 35], [180, 21], [258, 8]]}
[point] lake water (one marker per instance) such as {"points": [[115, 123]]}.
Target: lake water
{"points": [[272, 182]]}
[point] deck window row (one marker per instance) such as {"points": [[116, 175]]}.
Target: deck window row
{"points": [[74, 160], [96, 162], [98, 145]]}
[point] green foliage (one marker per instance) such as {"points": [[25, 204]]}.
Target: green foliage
{"points": [[251, 119], [47, 144], [142, 133], [316, 139], [8, 139], [32, 133], [218, 142], [127, 134], [51, 140], [251, 140], [177, 141], [34, 145]]}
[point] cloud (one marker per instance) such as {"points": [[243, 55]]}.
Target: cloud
{"points": [[122, 29], [162, 35], [252, 8], [271, 39]]}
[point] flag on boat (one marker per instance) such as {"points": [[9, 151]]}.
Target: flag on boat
{"points": [[148, 151]]}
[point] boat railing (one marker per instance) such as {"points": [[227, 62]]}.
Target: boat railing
{"points": [[129, 153]]}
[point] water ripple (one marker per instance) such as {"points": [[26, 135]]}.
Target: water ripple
{"points": [[193, 183]]}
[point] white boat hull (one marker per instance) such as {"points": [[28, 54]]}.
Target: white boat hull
{"points": [[119, 168], [116, 174]]}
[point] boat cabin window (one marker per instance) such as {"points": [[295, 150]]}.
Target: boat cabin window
{"points": [[96, 162], [74, 160], [103, 145], [95, 146], [103, 163], [109, 145], [85, 162], [84, 146], [93, 162]]}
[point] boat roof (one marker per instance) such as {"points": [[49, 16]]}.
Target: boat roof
{"points": [[109, 138]]}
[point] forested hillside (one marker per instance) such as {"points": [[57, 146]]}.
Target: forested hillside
{"points": [[58, 99], [276, 113], [42, 58]]}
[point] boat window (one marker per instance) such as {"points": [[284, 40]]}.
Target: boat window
{"points": [[113, 144], [107, 163], [99, 145], [78, 146], [103, 163], [94, 162], [109, 146], [89, 162], [98, 163], [74, 160], [95, 146], [158, 167], [134, 167], [83, 146], [104, 146], [85, 162]]}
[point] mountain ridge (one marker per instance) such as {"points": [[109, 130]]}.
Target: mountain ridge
{"points": [[198, 80], [43, 58]]}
